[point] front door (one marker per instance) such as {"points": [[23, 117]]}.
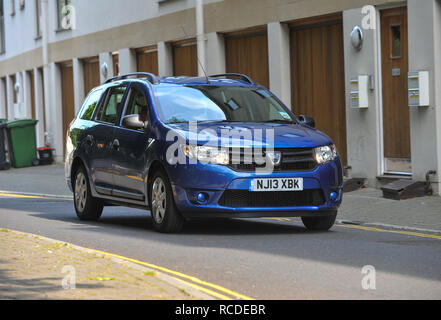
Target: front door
{"points": [[101, 138], [130, 157], [396, 124]]}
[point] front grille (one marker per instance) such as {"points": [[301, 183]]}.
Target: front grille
{"points": [[245, 198], [293, 159]]}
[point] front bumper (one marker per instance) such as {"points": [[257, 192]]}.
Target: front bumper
{"points": [[214, 181]]}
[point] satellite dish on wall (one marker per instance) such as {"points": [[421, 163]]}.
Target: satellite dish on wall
{"points": [[357, 38]]}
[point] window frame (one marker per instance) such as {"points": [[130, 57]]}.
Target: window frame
{"points": [[59, 14], [12, 8], [38, 30], [98, 104], [391, 41], [2, 28], [104, 101], [127, 101]]}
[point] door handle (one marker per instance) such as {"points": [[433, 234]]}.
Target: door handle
{"points": [[89, 140], [115, 144]]}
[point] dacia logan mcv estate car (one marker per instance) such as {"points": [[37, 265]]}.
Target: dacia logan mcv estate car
{"points": [[168, 144]]}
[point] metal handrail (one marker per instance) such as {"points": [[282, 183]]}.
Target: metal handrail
{"points": [[240, 75], [150, 76]]}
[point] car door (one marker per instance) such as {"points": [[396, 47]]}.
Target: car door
{"points": [[130, 155], [100, 137]]}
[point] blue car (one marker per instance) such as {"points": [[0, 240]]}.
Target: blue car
{"points": [[219, 146]]}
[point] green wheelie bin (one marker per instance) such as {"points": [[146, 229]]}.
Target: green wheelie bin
{"points": [[22, 142]]}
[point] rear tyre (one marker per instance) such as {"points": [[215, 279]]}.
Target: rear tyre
{"points": [[87, 207], [319, 223], [165, 216]]}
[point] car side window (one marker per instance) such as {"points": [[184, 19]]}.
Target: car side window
{"points": [[109, 111], [137, 104], [90, 104]]}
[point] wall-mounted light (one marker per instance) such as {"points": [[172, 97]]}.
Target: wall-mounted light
{"points": [[17, 87], [104, 69], [357, 38]]}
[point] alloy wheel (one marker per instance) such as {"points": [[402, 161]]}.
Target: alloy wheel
{"points": [[80, 191], [159, 200]]}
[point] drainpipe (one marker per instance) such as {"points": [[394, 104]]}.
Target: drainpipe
{"points": [[200, 34], [44, 24]]}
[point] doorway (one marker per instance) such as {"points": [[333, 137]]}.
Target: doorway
{"points": [[395, 65]]}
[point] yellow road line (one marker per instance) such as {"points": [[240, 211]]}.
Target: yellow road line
{"points": [[408, 233], [9, 195], [179, 274], [278, 219], [205, 290]]}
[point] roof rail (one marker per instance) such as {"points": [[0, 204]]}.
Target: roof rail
{"points": [[150, 77], [239, 75]]}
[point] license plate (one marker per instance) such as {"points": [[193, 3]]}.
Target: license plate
{"points": [[279, 184]]}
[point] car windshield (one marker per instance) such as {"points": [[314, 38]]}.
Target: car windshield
{"points": [[178, 104]]}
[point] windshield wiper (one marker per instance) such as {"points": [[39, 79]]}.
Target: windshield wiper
{"points": [[278, 121]]}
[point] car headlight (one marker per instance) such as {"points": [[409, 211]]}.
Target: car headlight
{"points": [[325, 154], [207, 154]]}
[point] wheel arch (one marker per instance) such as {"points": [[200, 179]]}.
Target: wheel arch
{"points": [[77, 162]]}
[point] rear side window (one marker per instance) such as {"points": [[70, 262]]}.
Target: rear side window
{"points": [[90, 104], [112, 106]]}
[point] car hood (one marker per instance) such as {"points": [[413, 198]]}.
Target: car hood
{"points": [[285, 135]]}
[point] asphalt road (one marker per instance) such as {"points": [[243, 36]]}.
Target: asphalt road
{"points": [[259, 258]]}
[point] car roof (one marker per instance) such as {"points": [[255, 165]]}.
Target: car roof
{"points": [[186, 80], [228, 79]]}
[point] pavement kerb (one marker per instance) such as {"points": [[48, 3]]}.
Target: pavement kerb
{"points": [[385, 225], [162, 276]]}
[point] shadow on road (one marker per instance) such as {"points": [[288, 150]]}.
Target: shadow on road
{"points": [[133, 228]]}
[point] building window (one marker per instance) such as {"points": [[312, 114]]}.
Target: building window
{"points": [[62, 13], [2, 28], [12, 7], [38, 18], [396, 41]]}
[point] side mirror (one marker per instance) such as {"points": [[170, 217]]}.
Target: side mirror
{"points": [[132, 121], [309, 121]]}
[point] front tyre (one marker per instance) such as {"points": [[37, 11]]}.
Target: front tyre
{"points": [[165, 216], [87, 207], [319, 223]]}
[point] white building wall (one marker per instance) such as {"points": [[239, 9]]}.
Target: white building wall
{"points": [[424, 121], [363, 126], [39, 108]]}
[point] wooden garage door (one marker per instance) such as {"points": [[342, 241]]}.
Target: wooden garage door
{"points": [[185, 59], [31, 76], [147, 60], [14, 96], [394, 56], [91, 74], [115, 61], [318, 77], [248, 54], [67, 90]]}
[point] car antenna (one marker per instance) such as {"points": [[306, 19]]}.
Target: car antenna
{"points": [[199, 61]]}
